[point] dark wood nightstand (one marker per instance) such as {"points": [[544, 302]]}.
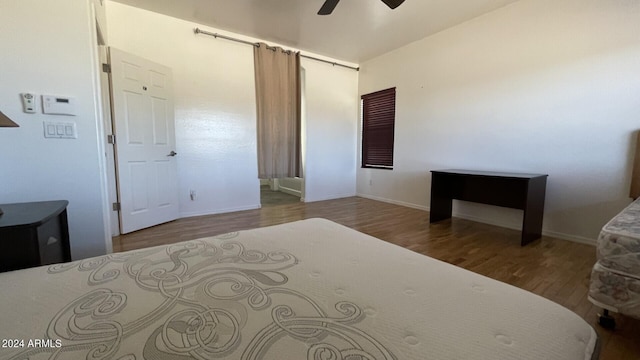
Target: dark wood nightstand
{"points": [[33, 234]]}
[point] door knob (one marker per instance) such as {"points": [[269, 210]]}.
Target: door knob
{"points": [[172, 153]]}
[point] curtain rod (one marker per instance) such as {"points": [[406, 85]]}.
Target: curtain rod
{"points": [[216, 35]]}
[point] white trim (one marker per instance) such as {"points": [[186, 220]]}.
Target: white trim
{"points": [[395, 202], [112, 186], [550, 233], [290, 191], [97, 98], [329, 197], [569, 237], [220, 211]]}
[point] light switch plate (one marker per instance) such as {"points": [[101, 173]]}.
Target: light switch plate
{"points": [[60, 130]]}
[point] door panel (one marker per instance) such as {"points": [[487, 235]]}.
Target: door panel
{"points": [[143, 119], [133, 103], [160, 126], [163, 174], [139, 189]]}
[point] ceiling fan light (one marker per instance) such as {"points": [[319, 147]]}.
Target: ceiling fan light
{"points": [[329, 5]]}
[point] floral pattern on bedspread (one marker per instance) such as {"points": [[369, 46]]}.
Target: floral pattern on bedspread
{"points": [[202, 299], [618, 245], [619, 252], [615, 278], [620, 292]]}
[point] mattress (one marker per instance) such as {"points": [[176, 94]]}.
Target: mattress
{"points": [[310, 290], [618, 247], [615, 278], [615, 292]]}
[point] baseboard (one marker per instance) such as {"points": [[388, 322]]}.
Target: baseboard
{"points": [[329, 197], [220, 211], [395, 202], [554, 234], [487, 221], [290, 191], [550, 233], [574, 238]]}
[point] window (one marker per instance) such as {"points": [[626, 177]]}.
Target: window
{"points": [[378, 120]]}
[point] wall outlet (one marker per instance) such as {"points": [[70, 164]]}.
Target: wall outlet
{"points": [[370, 182], [192, 195]]}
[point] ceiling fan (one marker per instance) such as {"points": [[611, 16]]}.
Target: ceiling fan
{"points": [[329, 5]]}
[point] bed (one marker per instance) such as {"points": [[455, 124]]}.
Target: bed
{"points": [[310, 289], [615, 278]]}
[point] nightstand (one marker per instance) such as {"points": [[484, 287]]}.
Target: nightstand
{"points": [[33, 234]]}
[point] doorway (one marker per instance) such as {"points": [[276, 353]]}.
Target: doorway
{"points": [[274, 192], [139, 123]]}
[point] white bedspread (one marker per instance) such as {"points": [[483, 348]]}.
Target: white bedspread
{"points": [[311, 289]]}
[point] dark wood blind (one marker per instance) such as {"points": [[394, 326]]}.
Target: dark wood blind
{"points": [[378, 122]]}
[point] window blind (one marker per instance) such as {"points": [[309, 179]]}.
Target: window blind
{"points": [[378, 122]]}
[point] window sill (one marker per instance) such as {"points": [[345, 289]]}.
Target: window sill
{"points": [[377, 167]]}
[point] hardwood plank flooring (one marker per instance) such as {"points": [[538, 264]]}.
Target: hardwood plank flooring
{"points": [[270, 197], [556, 269]]}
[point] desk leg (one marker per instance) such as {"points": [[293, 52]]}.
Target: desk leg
{"points": [[533, 211], [440, 208]]}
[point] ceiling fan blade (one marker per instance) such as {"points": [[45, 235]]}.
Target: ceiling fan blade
{"points": [[393, 3], [328, 6]]}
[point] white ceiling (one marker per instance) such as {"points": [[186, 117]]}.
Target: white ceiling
{"points": [[357, 30]]}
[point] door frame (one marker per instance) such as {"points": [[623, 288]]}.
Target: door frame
{"points": [[107, 111], [98, 39]]}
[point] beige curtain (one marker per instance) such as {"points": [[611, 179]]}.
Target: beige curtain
{"points": [[278, 111]]}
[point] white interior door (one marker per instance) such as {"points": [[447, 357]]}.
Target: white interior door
{"points": [[145, 141]]}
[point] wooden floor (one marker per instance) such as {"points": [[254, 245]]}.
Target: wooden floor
{"points": [[270, 197], [555, 269]]}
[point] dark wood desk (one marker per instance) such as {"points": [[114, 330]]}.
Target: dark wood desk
{"points": [[513, 190], [33, 234]]}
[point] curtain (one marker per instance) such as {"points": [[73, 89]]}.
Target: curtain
{"points": [[277, 74]]}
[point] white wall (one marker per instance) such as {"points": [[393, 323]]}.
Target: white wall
{"points": [[101, 18], [215, 112], [540, 86], [294, 184], [48, 47], [332, 111]]}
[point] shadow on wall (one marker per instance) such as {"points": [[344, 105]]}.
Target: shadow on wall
{"points": [[586, 220]]}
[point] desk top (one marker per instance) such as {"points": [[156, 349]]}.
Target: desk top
{"points": [[488, 173], [31, 213]]}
